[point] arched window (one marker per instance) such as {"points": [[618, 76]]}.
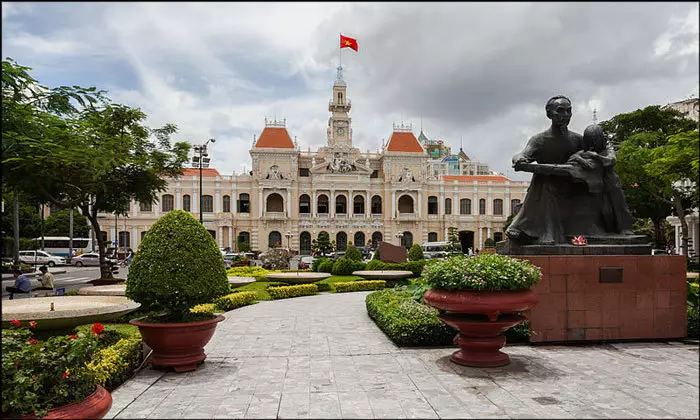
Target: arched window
{"points": [[145, 206], [405, 204], [407, 239], [207, 204], [465, 206], [322, 204], [305, 243], [341, 241], [376, 238], [124, 239], [376, 204], [482, 206], [274, 240], [358, 205], [227, 204], [514, 205], [432, 205], [305, 204], [244, 237], [186, 202], [243, 203], [498, 207], [359, 240], [432, 237], [341, 204], [168, 202], [448, 206], [275, 203]]}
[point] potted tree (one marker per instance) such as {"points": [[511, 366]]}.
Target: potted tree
{"points": [[481, 297], [177, 266]]}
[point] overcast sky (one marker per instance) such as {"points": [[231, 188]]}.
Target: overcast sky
{"points": [[480, 72]]}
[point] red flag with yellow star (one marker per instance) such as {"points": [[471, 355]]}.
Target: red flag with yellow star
{"points": [[347, 42]]}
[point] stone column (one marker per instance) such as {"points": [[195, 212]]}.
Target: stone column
{"points": [[481, 237], [178, 199], [289, 201], [351, 203], [489, 203], [331, 204], [234, 201], [260, 201], [217, 201], [455, 203], [220, 235], [475, 202], [195, 202], [156, 209], [393, 204], [134, 243], [230, 238], [314, 192], [134, 209], [488, 232], [441, 204], [368, 204], [420, 203], [506, 205]]}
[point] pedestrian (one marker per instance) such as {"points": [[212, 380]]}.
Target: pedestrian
{"points": [[129, 256], [46, 279], [470, 251], [22, 284], [476, 252]]}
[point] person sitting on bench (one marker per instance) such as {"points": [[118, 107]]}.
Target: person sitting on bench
{"points": [[46, 279], [22, 284]]}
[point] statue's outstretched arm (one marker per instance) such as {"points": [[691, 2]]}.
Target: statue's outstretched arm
{"points": [[527, 155]]}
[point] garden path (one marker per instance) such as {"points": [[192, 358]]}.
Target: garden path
{"points": [[323, 357]]}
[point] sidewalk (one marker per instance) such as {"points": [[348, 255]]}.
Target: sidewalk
{"points": [[323, 357]]}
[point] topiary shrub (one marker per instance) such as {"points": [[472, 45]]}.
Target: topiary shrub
{"points": [[284, 292], [375, 265], [343, 267], [317, 263], [357, 286], [178, 265], [326, 266], [353, 253], [415, 253]]}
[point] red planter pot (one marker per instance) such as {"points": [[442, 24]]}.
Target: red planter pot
{"points": [[481, 317], [179, 346], [95, 406]]}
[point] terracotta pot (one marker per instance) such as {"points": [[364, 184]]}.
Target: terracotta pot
{"points": [[481, 317], [95, 406], [180, 345]]}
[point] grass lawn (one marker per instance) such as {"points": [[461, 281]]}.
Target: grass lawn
{"points": [[260, 287]]}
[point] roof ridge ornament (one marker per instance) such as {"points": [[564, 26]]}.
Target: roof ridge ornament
{"points": [[403, 128], [275, 123], [339, 81]]}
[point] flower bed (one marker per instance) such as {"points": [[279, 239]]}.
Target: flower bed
{"points": [[283, 292], [357, 286]]}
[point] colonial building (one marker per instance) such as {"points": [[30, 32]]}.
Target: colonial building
{"points": [[409, 192]]}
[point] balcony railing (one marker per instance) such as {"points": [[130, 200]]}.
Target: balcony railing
{"points": [[358, 216], [341, 215], [274, 214], [305, 215], [407, 216]]}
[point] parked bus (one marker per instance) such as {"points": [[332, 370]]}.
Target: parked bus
{"points": [[434, 249], [58, 245]]}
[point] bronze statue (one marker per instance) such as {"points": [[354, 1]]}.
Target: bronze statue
{"points": [[574, 189]]}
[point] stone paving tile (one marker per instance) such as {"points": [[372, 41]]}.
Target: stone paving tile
{"points": [[323, 357]]}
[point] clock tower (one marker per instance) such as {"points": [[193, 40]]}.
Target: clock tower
{"points": [[339, 132]]}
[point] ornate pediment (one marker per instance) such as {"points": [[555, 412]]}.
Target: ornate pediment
{"points": [[341, 167]]}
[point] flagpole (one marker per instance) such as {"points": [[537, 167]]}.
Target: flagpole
{"points": [[341, 52]]}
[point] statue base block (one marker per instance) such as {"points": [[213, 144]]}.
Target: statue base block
{"points": [[603, 245], [609, 297]]}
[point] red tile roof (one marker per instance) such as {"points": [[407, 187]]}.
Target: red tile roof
{"points": [[205, 172], [475, 178], [275, 137], [403, 142]]}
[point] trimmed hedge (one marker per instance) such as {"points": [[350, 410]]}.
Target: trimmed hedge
{"points": [[405, 321], [326, 266], [317, 262], [204, 308], [346, 266], [416, 267], [235, 300], [353, 253], [415, 253], [283, 292], [356, 286]]}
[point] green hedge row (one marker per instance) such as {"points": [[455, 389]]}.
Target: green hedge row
{"points": [[356, 286], [414, 266], [346, 266], [235, 300], [405, 321], [283, 292]]}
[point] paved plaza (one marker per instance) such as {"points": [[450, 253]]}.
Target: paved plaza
{"points": [[323, 357]]}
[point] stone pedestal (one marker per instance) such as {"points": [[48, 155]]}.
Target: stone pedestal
{"points": [[609, 297]]}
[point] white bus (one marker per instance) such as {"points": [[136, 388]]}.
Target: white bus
{"points": [[434, 249], [58, 245]]}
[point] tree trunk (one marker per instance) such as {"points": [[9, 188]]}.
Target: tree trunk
{"points": [[16, 228], [680, 211], [105, 269], [658, 232]]}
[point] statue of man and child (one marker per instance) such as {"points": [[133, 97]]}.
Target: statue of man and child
{"points": [[574, 188]]}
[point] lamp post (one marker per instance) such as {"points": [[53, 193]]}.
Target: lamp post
{"points": [[400, 236], [203, 162]]}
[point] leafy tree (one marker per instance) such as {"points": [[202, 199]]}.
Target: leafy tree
{"points": [[453, 243], [353, 253], [415, 253], [323, 245], [29, 216], [635, 135], [58, 224], [96, 158]]}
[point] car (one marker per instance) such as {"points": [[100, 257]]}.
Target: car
{"points": [[90, 259], [41, 257], [306, 262]]}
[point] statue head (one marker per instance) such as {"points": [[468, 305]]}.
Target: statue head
{"points": [[594, 138], [559, 110]]}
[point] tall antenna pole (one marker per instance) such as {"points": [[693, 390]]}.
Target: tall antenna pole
{"points": [[341, 52]]}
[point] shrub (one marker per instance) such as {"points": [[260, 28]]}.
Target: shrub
{"points": [[178, 265], [405, 321], [345, 267], [235, 300], [204, 308], [276, 259], [317, 263], [693, 322], [376, 254], [257, 272], [326, 266], [356, 286], [415, 253], [521, 333], [489, 243], [485, 272], [353, 253], [416, 267], [113, 365], [40, 375], [283, 292], [375, 265]]}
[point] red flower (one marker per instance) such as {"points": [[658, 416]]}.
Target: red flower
{"points": [[32, 324], [15, 322], [65, 374], [72, 336], [97, 328], [32, 341], [635, 185]]}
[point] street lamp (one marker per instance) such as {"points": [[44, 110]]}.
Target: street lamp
{"points": [[400, 236], [203, 161], [289, 236]]}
